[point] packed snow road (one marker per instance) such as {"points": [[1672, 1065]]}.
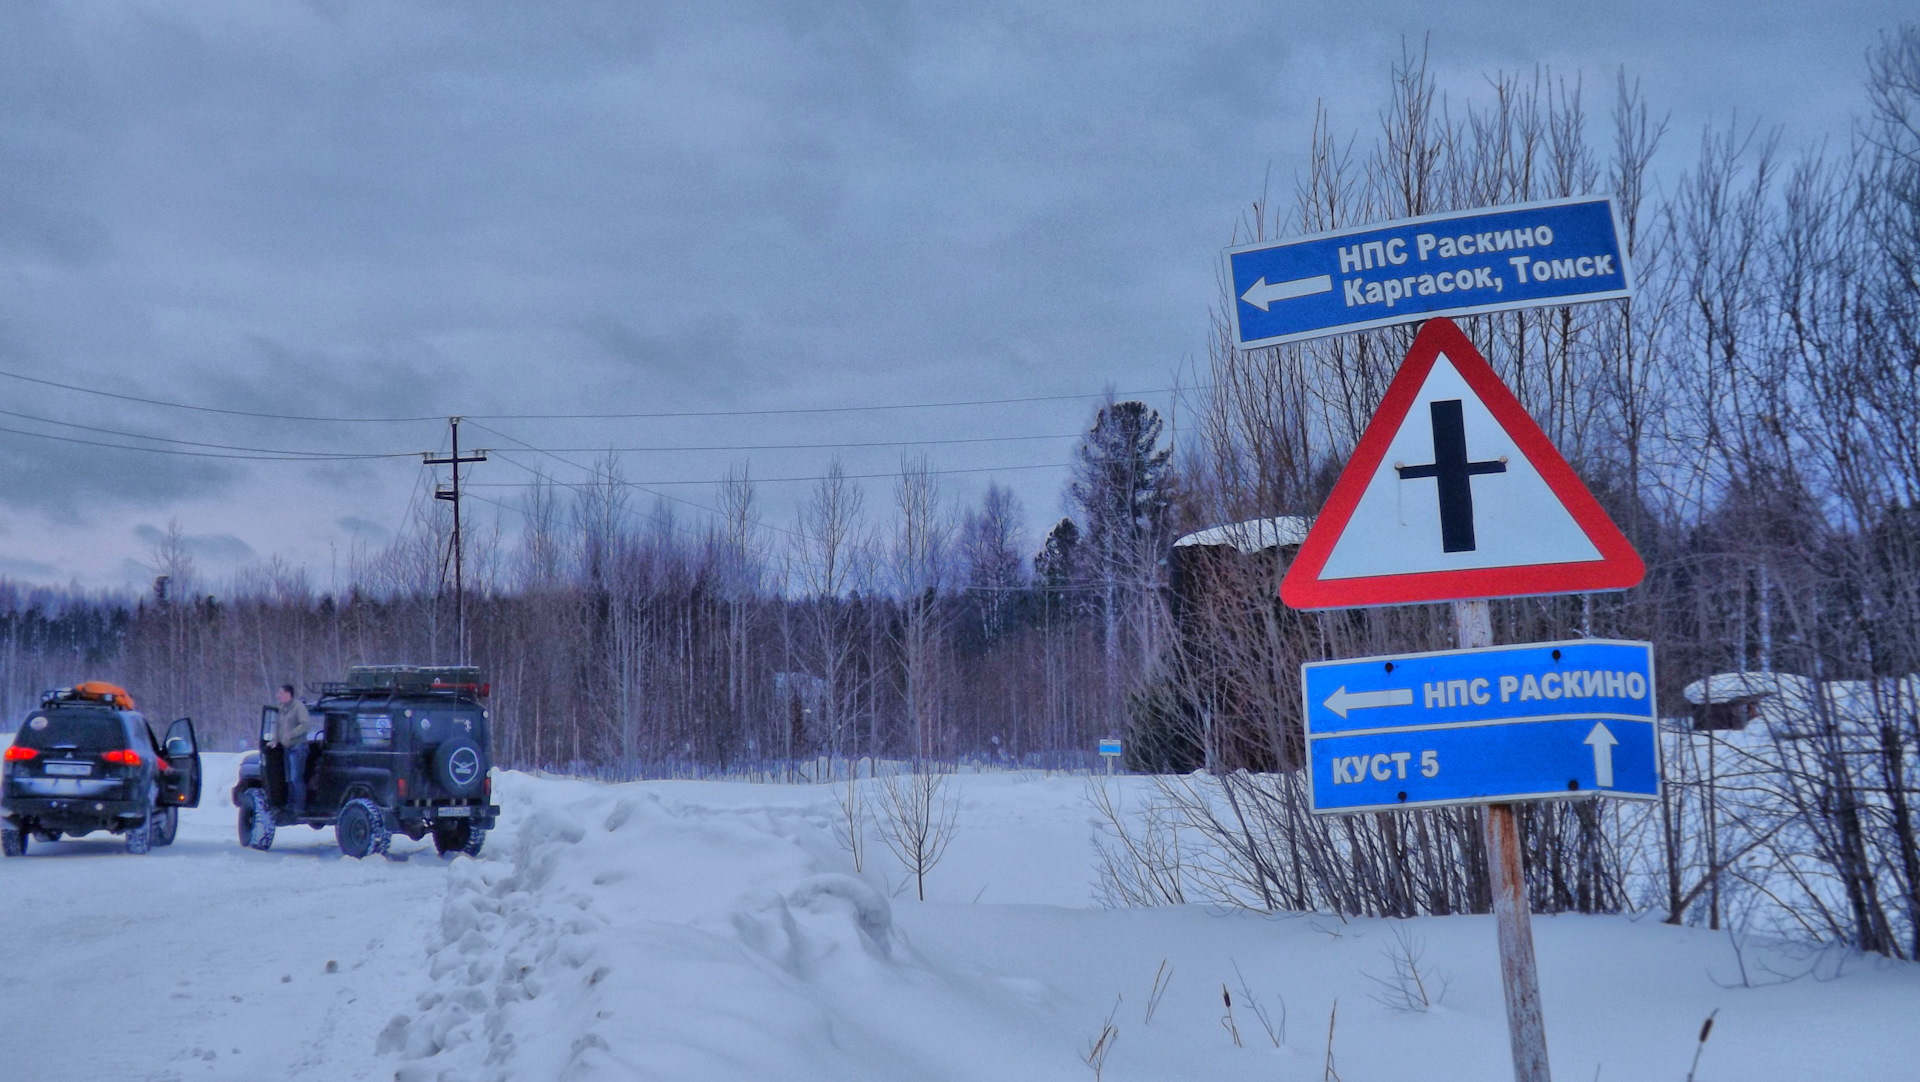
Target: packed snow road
{"points": [[709, 931], [206, 961]]}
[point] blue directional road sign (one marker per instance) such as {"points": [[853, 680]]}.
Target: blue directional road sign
{"points": [[1535, 722], [1566, 251]]}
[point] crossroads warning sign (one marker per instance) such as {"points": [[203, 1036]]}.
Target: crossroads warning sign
{"points": [[1454, 493]]}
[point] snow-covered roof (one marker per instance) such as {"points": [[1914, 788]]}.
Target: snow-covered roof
{"points": [[1253, 535], [1787, 701]]}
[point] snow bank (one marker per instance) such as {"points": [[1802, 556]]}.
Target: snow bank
{"points": [[715, 931]]}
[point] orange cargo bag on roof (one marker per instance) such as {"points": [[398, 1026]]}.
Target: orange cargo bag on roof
{"points": [[111, 694]]}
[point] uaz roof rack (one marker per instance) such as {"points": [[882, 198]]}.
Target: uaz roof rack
{"points": [[408, 680]]}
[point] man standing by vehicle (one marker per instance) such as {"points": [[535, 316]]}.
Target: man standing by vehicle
{"points": [[290, 732]]}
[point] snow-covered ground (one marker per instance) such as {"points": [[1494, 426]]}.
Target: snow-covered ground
{"points": [[707, 930]]}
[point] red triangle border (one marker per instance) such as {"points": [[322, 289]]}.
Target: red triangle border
{"points": [[1618, 568]]}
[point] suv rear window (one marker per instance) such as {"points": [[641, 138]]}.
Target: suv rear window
{"points": [[87, 732]]}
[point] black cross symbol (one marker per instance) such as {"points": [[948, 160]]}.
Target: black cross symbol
{"points": [[1453, 475]]}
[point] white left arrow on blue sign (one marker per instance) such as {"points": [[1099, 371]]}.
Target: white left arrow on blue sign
{"points": [[1262, 293], [1343, 700]]}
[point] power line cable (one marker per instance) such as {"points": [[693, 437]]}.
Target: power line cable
{"points": [[793, 410], [804, 446], [209, 409], [591, 470], [775, 480], [278, 451], [657, 415], [664, 448], [201, 454]]}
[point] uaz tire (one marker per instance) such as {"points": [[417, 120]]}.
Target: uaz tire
{"points": [[450, 838], [362, 829], [13, 841], [256, 820], [459, 767]]}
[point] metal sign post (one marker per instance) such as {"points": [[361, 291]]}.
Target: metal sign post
{"points": [[1110, 750]]}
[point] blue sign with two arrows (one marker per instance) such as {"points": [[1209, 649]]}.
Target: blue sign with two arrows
{"points": [[1533, 722], [1566, 251]]}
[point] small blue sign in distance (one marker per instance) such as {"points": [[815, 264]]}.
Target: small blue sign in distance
{"points": [[1540, 721], [1109, 747], [1566, 251]]}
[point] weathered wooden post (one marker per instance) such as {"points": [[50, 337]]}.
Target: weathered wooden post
{"points": [[1519, 977]]}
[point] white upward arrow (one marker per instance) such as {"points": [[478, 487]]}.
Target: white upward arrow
{"points": [[1260, 294], [1343, 700], [1602, 740]]}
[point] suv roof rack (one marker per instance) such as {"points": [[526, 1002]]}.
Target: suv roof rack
{"points": [[89, 693]]}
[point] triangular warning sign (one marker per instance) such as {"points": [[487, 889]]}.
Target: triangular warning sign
{"points": [[1455, 493]]}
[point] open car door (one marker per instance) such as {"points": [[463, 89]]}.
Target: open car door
{"points": [[183, 754], [273, 761]]}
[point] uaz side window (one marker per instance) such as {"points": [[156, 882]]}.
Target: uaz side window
{"points": [[376, 730]]}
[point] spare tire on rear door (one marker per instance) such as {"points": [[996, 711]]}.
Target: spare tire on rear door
{"points": [[459, 767]]}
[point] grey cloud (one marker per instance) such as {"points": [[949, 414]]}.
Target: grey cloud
{"points": [[364, 529], [74, 482], [497, 207], [27, 569], [221, 549], [133, 575]]}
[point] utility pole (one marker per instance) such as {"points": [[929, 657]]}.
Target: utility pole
{"points": [[451, 493]]}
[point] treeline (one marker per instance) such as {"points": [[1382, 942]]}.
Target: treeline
{"points": [[620, 640]]}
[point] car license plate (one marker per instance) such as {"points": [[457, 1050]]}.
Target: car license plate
{"points": [[69, 770], [453, 813]]}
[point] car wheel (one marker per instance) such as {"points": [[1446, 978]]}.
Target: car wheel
{"points": [[450, 838], [140, 836], [166, 824], [13, 841], [362, 829], [256, 820]]}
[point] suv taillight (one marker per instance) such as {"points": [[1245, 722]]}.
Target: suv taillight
{"points": [[124, 756], [19, 754], [486, 788]]}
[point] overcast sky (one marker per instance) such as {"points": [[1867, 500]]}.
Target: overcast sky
{"points": [[376, 210]]}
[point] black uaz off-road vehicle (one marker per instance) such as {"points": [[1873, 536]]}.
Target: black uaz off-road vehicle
{"points": [[402, 749], [84, 760]]}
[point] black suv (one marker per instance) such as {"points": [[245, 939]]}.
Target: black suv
{"points": [[85, 761], [402, 749]]}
